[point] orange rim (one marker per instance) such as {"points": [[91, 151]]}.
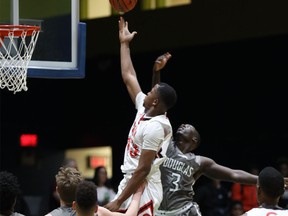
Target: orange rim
{"points": [[17, 30]]}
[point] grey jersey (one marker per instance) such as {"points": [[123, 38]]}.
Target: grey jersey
{"points": [[177, 176], [63, 211]]}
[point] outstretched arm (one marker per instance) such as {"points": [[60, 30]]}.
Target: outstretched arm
{"points": [[144, 166], [133, 207], [127, 69], [213, 170], [159, 64]]}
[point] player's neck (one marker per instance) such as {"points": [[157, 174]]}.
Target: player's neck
{"points": [[152, 112]]}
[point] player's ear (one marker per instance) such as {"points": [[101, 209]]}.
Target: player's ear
{"points": [[156, 101], [195, 139]]}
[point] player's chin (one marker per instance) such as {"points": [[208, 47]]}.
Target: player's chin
{"points": [[179, 132], [146, 105], [181, 129]]}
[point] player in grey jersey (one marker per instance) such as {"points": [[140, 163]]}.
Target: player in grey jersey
{"points": [[182, 168]]}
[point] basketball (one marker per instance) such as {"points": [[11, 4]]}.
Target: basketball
{"points": [[123, 6]]}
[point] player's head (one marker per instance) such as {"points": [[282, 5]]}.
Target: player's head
{"points": [[187, 138], [67, 180], [167, 95], [86, 198], [9, 190], [270, 184], [162, 97]]}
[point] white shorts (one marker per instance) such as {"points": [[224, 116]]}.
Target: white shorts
{"points": [[150, 199]]}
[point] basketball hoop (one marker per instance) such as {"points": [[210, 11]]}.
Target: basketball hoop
{"points": [[17, 43]]}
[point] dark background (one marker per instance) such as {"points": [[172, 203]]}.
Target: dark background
{"points": [[228, 65]]}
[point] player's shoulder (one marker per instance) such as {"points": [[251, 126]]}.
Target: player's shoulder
{"points": [[161, 119]]}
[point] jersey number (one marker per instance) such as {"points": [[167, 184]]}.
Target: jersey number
{"points": [[176, 178], [133, 149]]}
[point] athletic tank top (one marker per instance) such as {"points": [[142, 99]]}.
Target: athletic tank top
{"points": [[177, 176], [63, 211]]}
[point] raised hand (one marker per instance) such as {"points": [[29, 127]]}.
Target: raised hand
{"points": [[161, 61], [159, 64], [124, 34]]}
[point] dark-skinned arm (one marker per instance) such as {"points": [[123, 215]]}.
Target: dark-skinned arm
{"points": [[212, 170], [146, 159], [133, 207], [159, 64], [128, 72]]}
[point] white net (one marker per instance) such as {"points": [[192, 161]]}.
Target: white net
{"points": [[16, 48]]}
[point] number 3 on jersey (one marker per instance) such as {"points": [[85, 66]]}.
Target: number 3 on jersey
{"points": [[176, 179]]}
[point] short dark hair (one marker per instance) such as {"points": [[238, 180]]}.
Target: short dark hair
{"points": [[167, 94], [271, 182], [9, 190], [86, 195]]}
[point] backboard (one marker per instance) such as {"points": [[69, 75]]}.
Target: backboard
{"points": [[61, 46]]}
